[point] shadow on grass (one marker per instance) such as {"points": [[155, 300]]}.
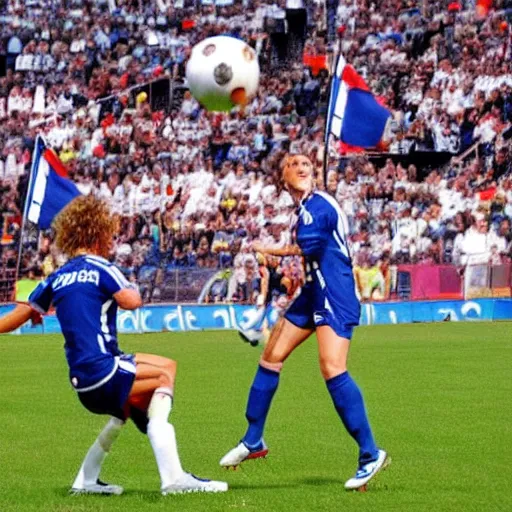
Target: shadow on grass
{"points": [[151, 496], [373, 487], [239, 486], [155, 496], [310, 481], [320, 480], [63, 492]]}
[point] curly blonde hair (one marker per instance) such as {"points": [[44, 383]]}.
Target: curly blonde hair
{"points": [[85, 224]]}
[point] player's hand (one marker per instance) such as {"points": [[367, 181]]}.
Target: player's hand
{"points": [[36, 318]]}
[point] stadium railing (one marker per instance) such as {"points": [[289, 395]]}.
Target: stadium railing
{"points": [[487, 281], [424, 161], [168, 284], [159, 93], [408, 283], [7, 284]]}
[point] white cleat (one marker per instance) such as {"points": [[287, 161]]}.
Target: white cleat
{"points": [[240, 453], [98, 488], [190, 483], [367, 472], [252, 336]]}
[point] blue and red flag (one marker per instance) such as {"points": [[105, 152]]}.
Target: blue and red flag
{"points": [[50, 188], [354, 116]]}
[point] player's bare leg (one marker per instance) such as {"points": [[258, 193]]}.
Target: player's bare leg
{"points": [[87, 481], [155, 383], [266, 336], [348, 401], [284, 338]]}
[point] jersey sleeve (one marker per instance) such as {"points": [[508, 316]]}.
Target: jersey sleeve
{"points": [[41, 298], [314, 236], [112, 280]]}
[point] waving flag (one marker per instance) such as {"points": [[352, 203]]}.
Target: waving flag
{"points": [[50, 189], [354, 115]]}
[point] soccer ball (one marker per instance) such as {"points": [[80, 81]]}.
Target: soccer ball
{"points": [[223, 72]]}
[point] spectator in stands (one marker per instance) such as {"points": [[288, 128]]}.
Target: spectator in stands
{"points": [[478, 243], [82, 82], [370, 282], [501, 165]]}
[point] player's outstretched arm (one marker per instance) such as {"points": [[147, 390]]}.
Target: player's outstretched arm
{"points": [[17, 317], [128, 298], [287, 250]]}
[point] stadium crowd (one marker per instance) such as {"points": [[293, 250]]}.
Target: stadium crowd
{"points": [[195, 189]]}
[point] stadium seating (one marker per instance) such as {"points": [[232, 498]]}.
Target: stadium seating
{"points": [[111, 99]]}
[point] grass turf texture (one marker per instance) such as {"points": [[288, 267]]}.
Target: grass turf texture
{"points": [[439, 398]]}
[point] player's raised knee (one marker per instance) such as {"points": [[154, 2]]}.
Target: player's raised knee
{"points": [[171, 366], [166, 378], [274, 354], [275, 357]]}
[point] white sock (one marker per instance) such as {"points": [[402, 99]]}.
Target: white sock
{"points": [[91, 466], [161, 403], [163, 438]]}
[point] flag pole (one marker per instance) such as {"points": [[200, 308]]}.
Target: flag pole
{"points": [[25, 210], [327, 126]]}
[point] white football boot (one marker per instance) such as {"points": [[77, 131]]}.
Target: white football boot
{"points": [[366, 472], [190, 483], [98, 488], [252, 336], [240, 453]]}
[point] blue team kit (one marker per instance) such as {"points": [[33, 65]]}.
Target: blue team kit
{"points": [[82, 292], [328, 296]]}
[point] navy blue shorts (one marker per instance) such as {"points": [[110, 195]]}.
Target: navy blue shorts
{"points": [[111, 397], [313, 308]]}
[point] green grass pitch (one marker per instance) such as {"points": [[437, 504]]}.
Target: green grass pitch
{"points": [[439, 399]]}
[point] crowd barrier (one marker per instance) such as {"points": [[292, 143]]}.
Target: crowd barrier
{"points": [[436, 311], [181, 318], [450, 282]]}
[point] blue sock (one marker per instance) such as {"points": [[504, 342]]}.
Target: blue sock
{"points": [[349, 403], [260, 397]]}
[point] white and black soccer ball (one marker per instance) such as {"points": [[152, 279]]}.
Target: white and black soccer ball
{"points": [[222, 72]]}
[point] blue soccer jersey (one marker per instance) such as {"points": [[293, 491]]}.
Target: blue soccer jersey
{"points": [[82, 293], [328, 296]]}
